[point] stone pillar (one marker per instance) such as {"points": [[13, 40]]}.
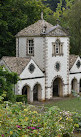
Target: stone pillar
{"points": [[31, 96], [42, 94], [17, 47], [48, 92], [78, 87]]}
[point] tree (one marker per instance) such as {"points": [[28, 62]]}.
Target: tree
{"points": [[51, 3], [7, 82], [14, 16], [69, 16], [74, 21]]}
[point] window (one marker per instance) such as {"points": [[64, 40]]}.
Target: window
{"points": [[31, 68], [30, 47], [57, 48], [57, 43], [78, 64], [57, 66]]}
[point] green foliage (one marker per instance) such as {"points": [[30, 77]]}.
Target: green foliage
{"points": [[21, 98], [75, 94], [75, 27], [52, 3], [14, 16], [77, 121], [7, 82], [20, 120], [70, 19], [18, 14]]}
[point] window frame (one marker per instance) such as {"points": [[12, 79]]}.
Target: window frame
{"points": [[30, 47], [57, 49]]}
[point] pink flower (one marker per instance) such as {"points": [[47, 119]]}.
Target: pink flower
{"points": [[2, 135], [33, 128], [18, 126]]}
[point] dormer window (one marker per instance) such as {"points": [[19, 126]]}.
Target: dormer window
{"points": [[57, 48], [30, 47]]}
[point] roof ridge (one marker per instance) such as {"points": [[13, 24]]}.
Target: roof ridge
{"points": [[73, 55]]}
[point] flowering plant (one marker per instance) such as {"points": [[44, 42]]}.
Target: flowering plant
{"points": [[19, 120]]}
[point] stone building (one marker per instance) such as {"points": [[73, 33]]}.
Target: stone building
{"points": [[43, 63]]}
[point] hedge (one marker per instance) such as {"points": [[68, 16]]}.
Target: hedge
{"points": [[21, 98]]}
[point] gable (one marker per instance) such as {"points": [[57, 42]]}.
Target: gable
{"points": [[75, 68], [34, 29], [2, 63], [15, 64], [72, 59], [57, 31], [28, 74]]}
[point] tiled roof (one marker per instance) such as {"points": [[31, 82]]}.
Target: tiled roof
{"points": [[34, 29], [57, 31], [72, 59], [16, 64]]}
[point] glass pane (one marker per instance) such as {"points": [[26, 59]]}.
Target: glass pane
{"points": [[57, 50]]}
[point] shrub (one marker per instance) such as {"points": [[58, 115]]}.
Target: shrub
{"points": [[77, 121], [21, 98], [18, 120], [7, 81]]}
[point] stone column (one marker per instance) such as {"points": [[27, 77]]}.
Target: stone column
{"points": [[78, 87], [31, 96]]}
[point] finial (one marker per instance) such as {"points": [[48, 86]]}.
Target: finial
{"points": [[42, 15], [58, 21]]}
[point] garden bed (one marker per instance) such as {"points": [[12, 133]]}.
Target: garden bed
{"points": [[19, 120]]}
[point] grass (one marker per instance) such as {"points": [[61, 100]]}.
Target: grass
{"points": [[68, 104], [72, 104]]}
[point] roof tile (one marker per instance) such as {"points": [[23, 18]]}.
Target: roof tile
{"points": [[72, 59], [34, 29], [16, 64]]}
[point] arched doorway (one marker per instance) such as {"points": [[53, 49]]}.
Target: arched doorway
{"points": [[74, 85], [37, 92], [26, 91], [80, 86], [57, 87]]}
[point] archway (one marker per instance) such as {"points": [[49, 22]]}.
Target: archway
{"points": [[80, 86], [57, 87], [26, 91], [74, 85], [37, 92]]}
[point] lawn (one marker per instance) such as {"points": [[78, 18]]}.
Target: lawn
{"points": [[68, 104], [72, 104]]}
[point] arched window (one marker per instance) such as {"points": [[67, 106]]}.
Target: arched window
{"points": [[57, 48]]}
